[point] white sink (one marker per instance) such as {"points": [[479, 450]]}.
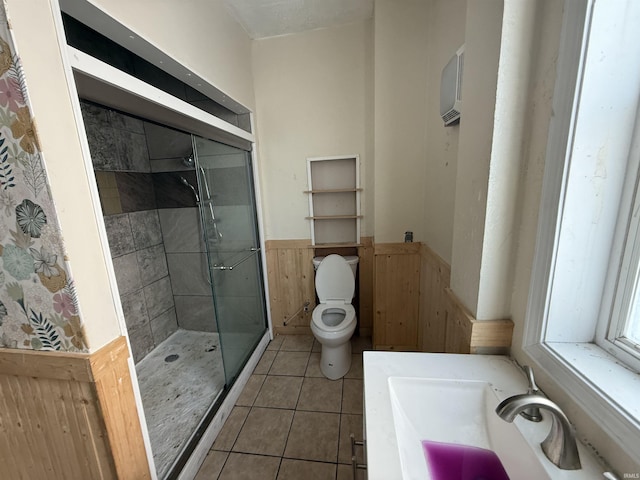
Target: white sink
{"points": [[450, 398], [457, 412]]}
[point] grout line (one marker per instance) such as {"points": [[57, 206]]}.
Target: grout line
{"points": [[223, 464], [293, 417], [235, 440], [279, 465], [340, 414]]}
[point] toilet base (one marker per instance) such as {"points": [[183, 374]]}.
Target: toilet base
{"points": [[335, 362]]}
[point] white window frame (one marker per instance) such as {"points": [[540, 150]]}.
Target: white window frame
{"points": [[622, 285], [573, 247]]}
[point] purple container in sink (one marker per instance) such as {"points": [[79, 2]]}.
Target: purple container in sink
{"points": [[449, 461]]}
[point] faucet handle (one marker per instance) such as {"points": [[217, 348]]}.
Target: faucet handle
{"points": [[532, 413]]}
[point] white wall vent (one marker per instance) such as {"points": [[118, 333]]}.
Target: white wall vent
{"points": [[451, 89]]}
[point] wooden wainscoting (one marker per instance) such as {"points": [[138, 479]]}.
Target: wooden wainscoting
{"points": [[396, 324], [365, 286], [416, 310], [434, 280], [465, 334], [69, 416], [291, 283], [290, 274]]}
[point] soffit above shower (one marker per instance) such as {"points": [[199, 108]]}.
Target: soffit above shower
{"points": [[270, 18]]}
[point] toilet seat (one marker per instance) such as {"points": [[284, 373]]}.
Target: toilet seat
{"points": [[333, 321], [345, 324], [334, 280]]}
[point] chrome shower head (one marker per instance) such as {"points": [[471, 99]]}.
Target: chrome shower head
{"points": [[185, 182]]}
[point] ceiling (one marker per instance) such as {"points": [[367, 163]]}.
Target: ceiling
{"points": [[270, 18]]}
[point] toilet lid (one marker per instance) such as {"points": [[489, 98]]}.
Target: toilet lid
{"points": [[334, 279]]}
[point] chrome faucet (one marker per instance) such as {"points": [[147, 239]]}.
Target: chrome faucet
{"points": [[532, 413], [560, 445]]}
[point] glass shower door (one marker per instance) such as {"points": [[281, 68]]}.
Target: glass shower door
{"points": [[228, 212]]}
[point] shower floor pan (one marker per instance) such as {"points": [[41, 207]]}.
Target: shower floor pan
{"points": [[176, 392]]}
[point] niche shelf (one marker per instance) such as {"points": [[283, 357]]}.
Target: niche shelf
{"points": [[334, 201]]}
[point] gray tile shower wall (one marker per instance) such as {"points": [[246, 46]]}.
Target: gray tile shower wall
{"points": [[141, 271], [187, 264], [136, 191], [117, 142], [153, 226]]}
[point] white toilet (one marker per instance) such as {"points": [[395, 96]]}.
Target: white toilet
{"points": [[334, 319]]}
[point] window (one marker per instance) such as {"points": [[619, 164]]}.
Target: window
{"points": [[583, 315], [619, 323]]}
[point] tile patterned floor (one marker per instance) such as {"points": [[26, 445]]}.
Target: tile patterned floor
{"points": [[290, 422]]}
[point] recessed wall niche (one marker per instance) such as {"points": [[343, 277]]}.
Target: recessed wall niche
{"points": [[334, 200]]}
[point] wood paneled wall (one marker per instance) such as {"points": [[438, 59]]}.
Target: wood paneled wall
{"points": [[69, 416], [291, 283], [365, 284], [290, 275], [415, 308], [396, 323], [404, 299], [465, 334], [434, 279]]}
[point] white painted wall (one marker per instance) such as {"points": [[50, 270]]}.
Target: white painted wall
{"points": [[200, 34], [446, 32], [71, 180], [401, 59], [512, 103], [311, 100], [482, 48], [371, 88], [544, 55]]}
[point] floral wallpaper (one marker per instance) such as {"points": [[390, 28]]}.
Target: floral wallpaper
{"points": [[38, 305]]}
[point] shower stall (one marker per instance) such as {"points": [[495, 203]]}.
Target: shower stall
{"points": [[180, 215]]}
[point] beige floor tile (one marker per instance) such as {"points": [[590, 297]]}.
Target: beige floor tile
{"points": [[264, 431], [232, 425], [265, 362], [212, 465], [314, 436], [360, 344], [302, 469], [350, 424], [297, 343], [250, 467], [279, 392], [352, 396], [313, 367], [320, 395], [317, 346], [290, 363], [250, 390], [345, 472], [356, 370], [275, 343]]}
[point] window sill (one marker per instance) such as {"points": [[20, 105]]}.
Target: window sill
{"points": [[599, 384]]}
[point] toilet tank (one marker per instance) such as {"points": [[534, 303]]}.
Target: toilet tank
{"points": [[352, 260]]}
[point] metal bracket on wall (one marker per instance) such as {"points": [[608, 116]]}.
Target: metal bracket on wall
{"points": [[304, 307]]}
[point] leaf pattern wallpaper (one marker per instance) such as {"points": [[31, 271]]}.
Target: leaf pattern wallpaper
{"points": [[38, 304]]}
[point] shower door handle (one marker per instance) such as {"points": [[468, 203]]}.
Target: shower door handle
{"points": [[253, 251]]}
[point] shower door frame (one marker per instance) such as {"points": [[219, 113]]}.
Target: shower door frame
{"points": [[124, 85]]}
